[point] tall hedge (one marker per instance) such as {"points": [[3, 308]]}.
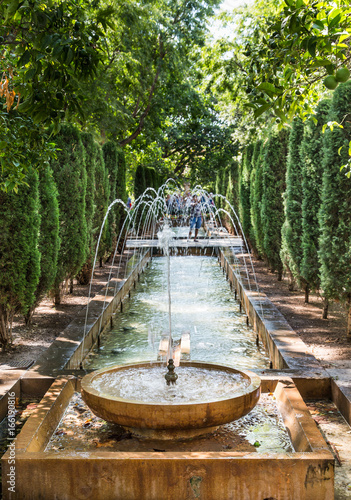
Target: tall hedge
{"points": [[218, 187], [224, 184], [91, 148], [291, 249], [110, 152], [272, 210], [232, 187], [121, 193], [121, 176], [149, 177], [101, 201], [335, 210], [139, 181], [244, 190], [256, 194], [312, 174], [19, 253], [49, 240], [71, 180]]}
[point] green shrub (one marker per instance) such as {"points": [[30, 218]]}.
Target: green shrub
{"points": [[49, 241], [272, 210], [256, 194], [291, 249], [335, 210], [244, 191], [312, 174], [71, 181], [19, 253]]}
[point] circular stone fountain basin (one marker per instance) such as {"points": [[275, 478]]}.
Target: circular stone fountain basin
{"points": [[176, 413]]}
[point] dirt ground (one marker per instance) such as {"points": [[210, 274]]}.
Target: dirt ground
{"points": [[49, 321], [326, 339]]}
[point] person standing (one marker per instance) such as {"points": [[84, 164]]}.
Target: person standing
{"points": [[195, 217]]}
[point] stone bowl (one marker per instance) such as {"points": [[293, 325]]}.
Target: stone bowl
{"points": [[171, 420]]}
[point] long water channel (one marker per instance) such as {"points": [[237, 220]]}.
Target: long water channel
{"points": [[202, 304]]}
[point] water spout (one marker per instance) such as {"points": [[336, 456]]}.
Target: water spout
{"points": [[171, 376]]}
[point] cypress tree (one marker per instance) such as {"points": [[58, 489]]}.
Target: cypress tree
{"points": [[244, 191], [155, 184], [121, 189], [335, 211], [232, 188], [121, 193], [224, 179], [312, 173], [71, 181], [110, 151], [149, 180], [139, 181], [139, 188], [218, 186], [91, 149], [49, 241], [101, 202], [256, 194], [291, 249], [272, 210], [234, 172], [19, 253]]}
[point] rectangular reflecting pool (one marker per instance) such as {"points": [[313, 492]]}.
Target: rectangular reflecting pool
{"points": [[202, 304]]}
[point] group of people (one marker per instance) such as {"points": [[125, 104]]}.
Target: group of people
{"points": [[189, 206]]}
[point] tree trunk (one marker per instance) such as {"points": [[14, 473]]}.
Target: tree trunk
{"points": [[5, 330], [84, 275], [291, 286], [71, 285], [101, 265], [349, 318], [307, 293], [57, 297], [325, 308], [29, 316]]}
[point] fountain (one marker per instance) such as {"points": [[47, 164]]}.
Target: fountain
{"points": [[65, 452], [171, 419], [198, 411]]}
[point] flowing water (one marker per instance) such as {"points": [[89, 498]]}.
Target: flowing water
{"points": [[148, 384], [202, 304]]}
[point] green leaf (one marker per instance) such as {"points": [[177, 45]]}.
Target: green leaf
{"points": [[321, 62], [344, 37], [311, 46], [69, 56], [57, 49], [318, 25], [262, 109], [11, 9], [281, 115], [268, 88], [46, 41], [3, 144], [28, 76], [24, 59]]}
